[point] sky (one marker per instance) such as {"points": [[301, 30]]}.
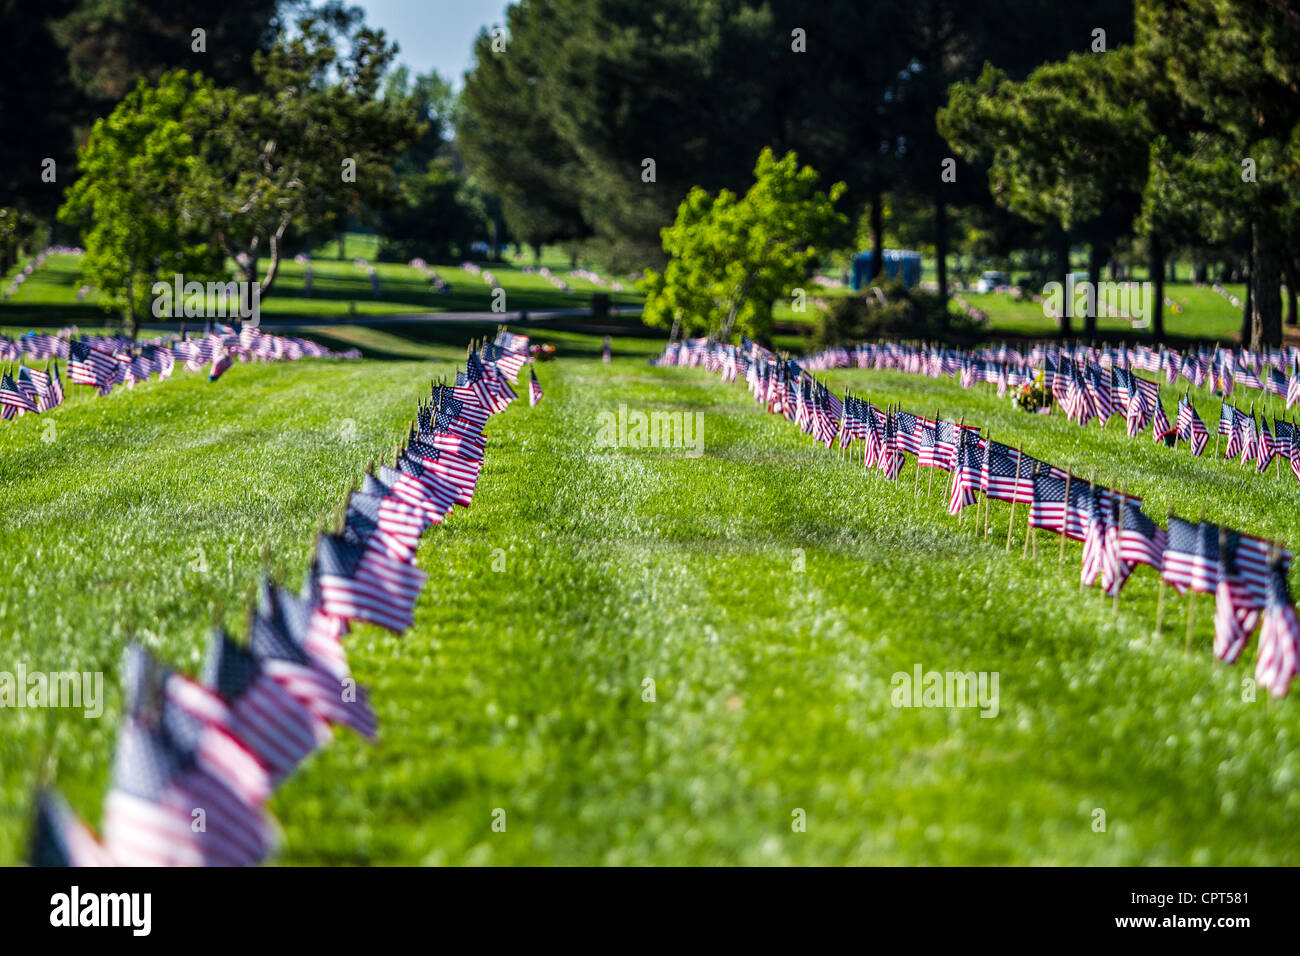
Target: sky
{"points": [[435, 34]]}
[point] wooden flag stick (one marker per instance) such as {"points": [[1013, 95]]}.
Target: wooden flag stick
{"points": [[929, 485], [1065, 520], [1011, 521], [1218, 431], [960, 436]]}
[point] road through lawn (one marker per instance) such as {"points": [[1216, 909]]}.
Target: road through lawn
{"points": [[768, 589]]}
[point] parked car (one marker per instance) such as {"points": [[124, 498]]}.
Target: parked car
{"points": [[990, 281]]}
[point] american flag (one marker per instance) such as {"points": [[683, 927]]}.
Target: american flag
{"points": [[1264, 446], [1008, 474], [508, 361], [1282, 439], [905, 432], [1235, 611], [1293, 386], [61, 839], [199, 718], [274, 727], [475, 379], [534, 388], [966, 475], [90, 366], [14, 399], [1247, 375], [1192, 556], [459, 473], [41, 387], [1122, 386], [1137, 414], [359, 584], [1190, 426], [1160, 427], [159, 792], [389, 526], [1248, 433], [408, 482], [221, 362], [56, 386], [1279, 637], [1141, 540], [1047, 510], [1099, 391], [1229, 426], [320, 692], [27, 384]]}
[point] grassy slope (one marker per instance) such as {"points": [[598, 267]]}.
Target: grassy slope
{"points": [[522, 690]]}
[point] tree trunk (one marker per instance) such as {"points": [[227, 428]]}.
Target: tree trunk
{"points": [[1248, 307], [1201, 273], [941, 248], [1098, 253], [1292, 276], [1266, 298], [877, 226], [1156, 268], [343, 241], [1063, 267]]}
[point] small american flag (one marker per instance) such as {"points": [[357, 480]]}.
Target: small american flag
{"points": [[1141, 540], [1191, 558], [1190, 427], [1235, 613], [274, 727], [1279, 637], [1265, 448], [328, 698], [61, 839], [534, 388], [365, 585]]}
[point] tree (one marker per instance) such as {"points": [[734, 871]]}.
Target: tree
{"points": [[111, 44], [313, 145], [731, 257], [509, 142], [1067, 147], [1234, 64], [137, 226]]}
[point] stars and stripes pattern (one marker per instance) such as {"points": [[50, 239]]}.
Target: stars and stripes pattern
{"points": [[534, 388]]}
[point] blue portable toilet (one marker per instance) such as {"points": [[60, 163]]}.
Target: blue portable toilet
{"points": [[899, 264]]}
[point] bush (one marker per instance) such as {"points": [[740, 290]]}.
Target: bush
{"points": [[890, 310]]}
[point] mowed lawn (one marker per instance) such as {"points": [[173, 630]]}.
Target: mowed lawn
{"points": [[769, 589]]}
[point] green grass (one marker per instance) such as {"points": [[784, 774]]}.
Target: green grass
{"points": [[522, 689], [339, 289]]}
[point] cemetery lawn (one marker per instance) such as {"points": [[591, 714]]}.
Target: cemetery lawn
{"points": [[769, 589]]}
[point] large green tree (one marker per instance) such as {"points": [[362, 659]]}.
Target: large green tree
{"points": [[731, 257], [137, 225]]}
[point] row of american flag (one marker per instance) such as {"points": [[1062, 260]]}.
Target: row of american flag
{"points": [[1088, 382], [197, 759], [104, 362], [1247, 574]]}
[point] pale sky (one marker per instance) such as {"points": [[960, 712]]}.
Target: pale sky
{"points": [[435, 34]]}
